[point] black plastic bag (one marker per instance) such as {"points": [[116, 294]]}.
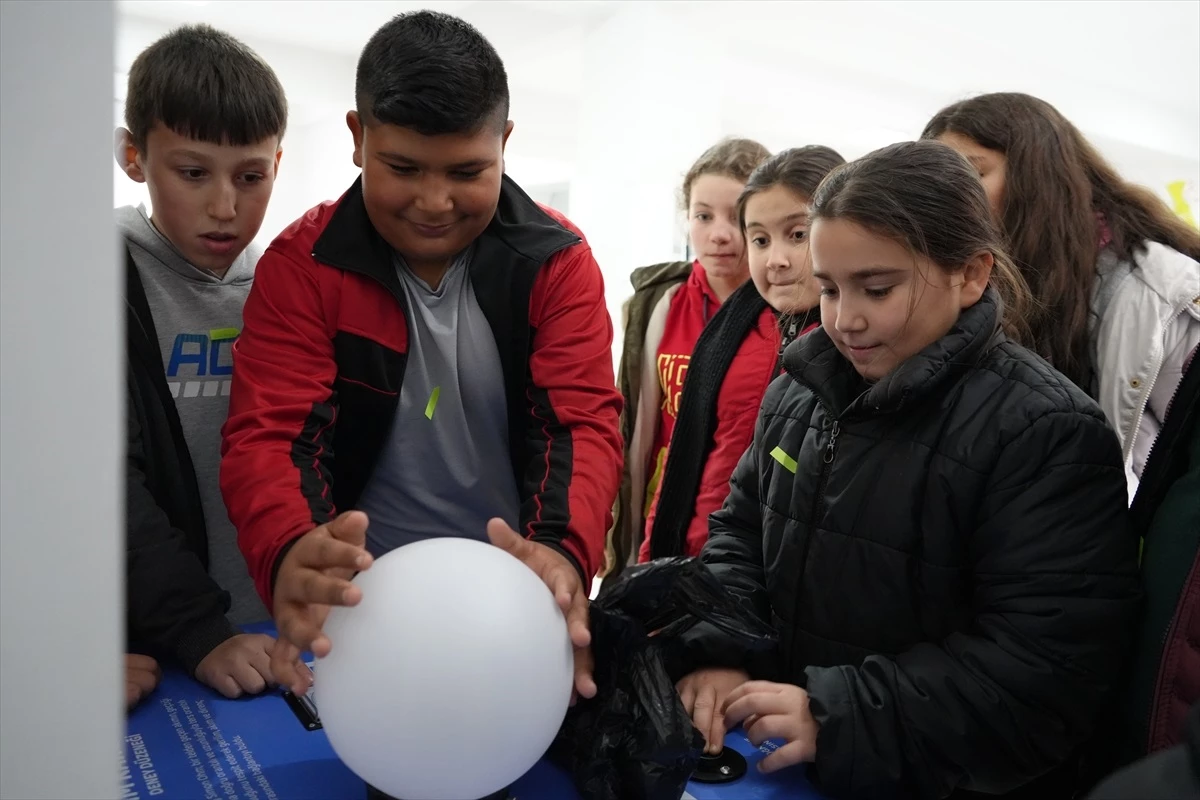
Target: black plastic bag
{"points": [[634, 739]]}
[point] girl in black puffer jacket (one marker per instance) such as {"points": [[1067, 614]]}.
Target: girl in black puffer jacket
{"points": [[931, 517]]}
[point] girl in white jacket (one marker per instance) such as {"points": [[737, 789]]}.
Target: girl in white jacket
{"points": [[1115, 273]]}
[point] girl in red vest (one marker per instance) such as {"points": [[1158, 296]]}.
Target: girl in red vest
{"points": [[671, 304], [738, 354]]}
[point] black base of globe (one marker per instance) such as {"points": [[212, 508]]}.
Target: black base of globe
{"points": [[375, 794], [726, 766]]}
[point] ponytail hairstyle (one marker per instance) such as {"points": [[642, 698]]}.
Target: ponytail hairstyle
{"points": [[928, 198]]}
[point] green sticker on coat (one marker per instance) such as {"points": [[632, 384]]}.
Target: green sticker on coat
{"points": [[783, 458]]}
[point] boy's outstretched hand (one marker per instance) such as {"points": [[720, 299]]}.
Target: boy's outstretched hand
{"points": [[560, 575], [315, 574]]}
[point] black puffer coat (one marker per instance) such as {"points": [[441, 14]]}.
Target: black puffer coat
{"points": [[946, 556]]}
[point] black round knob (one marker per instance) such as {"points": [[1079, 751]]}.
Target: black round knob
{"points": [[726, 766]]}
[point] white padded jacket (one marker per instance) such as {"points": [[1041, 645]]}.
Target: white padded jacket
{"points": [[1147, 324]]}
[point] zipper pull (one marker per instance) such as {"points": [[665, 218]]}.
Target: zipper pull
{"points": [[789, 335], [829, 448]]}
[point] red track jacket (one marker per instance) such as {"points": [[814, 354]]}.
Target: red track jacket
{"points": [[321, 357]]}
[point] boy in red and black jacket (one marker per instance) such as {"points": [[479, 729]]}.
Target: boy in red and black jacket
{"points": [[432, 349]]}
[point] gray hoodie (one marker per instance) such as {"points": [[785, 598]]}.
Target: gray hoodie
{"points": [[198, 316]]}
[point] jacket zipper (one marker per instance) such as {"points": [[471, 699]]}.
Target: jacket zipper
{"points": [[1157, 444], [789, 336], [1153, 445], [1189, 583], [819, 501], [818, 505], [832, 443], [1143, 402]]}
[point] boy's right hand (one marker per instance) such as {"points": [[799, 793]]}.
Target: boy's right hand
{"points": [[314, 575], [703, 693]]}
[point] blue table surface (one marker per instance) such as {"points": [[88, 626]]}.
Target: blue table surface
{"points": [[186, 741]]}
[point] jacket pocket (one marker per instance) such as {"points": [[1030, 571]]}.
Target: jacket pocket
{"points": [[366, 364]]}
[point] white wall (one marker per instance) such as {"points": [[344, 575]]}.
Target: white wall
{"points": [[613, 100], [61, 376]]}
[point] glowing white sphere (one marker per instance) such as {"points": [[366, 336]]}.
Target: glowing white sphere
{"points": [[453, 675]]}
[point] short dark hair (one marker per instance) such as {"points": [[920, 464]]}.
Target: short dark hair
{"points": [[432, 73], [927, 198], [799, 169], [204, 84]]}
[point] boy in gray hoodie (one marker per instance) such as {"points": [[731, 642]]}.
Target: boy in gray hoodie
{"points": [[204, 118]]}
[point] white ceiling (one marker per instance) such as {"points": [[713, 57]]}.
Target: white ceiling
{"points": [[856, 73], [523, 31]]}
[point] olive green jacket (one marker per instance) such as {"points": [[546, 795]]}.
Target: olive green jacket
{"points": [[643, 315]]}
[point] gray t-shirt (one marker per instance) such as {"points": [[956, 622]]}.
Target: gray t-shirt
{"points": [[198, 316], [445, 469]]}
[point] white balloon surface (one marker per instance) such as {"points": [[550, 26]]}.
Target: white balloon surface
{"points": [[453, 675]]}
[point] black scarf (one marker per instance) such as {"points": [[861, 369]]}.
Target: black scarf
{"points": [[696, 421]]}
